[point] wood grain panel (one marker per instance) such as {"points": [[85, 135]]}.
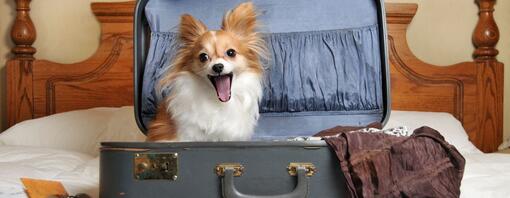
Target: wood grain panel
{"points": [[19, 91], [61, 88]]}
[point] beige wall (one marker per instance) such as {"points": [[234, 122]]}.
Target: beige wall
{"points": [[440, 34]]}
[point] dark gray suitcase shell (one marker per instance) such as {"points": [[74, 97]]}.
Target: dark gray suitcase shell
{"points": [[349, 62], [265, 170]]}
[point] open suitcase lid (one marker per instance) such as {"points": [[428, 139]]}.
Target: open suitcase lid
{"points": [[328, 65]]}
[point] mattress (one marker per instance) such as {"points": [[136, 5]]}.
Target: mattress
{"points": [[47, 157]]}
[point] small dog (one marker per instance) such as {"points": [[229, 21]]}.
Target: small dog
{"points": [[215, 81]]}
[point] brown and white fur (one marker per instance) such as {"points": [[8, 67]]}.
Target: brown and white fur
{"points": [[201, 106]]}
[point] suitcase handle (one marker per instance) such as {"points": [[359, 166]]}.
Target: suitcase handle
{"points": [[301, 190]]}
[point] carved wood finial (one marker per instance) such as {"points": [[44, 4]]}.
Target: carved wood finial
{"points": [[23, 31], [486, 34]]}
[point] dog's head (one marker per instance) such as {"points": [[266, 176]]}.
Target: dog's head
{"points": [[221, 55]]}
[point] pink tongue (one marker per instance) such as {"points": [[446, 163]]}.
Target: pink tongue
{"points": [[223, 87]]}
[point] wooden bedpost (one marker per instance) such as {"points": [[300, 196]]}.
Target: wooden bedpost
{"points": [[490, 78], [19, 68]]}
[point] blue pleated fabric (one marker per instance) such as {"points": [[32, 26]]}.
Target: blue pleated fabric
{"points": [[163, 47], [324, 70], [335, 70]]}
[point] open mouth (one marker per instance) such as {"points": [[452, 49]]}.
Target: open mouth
{"points": [[222, 84]]}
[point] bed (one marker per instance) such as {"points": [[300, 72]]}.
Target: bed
{"points": [[51, 102]]}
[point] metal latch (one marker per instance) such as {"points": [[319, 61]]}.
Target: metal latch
{"points": [[309, 167], [238, 169], [156, 166]]}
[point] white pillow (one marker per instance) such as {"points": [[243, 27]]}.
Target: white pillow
{"points": [[444, 123], [81, 130]]}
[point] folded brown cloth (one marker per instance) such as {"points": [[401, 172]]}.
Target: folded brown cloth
{"points": [[381, 165]]}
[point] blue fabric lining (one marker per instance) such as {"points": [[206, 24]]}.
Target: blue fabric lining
{"points": [[276, 16], [283, 125], [163, 47], [336, 70]]}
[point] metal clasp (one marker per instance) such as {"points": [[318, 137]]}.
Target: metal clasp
{"points": [[238, 169], [156, 166], [309, 167]]}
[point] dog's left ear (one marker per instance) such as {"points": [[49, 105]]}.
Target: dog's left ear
{"points": [[242, 20]]}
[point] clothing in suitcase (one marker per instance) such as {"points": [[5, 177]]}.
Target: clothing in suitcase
{"points": [[328, 66]]}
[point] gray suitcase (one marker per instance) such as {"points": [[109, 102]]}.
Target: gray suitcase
{"points": [[329, 67]]}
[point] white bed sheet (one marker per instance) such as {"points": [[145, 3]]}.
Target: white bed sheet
{"points": [[78, 172], [486, 175]]}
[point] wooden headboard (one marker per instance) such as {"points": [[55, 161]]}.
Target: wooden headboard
{"points": [[471, 91]]}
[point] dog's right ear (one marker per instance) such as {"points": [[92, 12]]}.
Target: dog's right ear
{"points": [[190, 29]]}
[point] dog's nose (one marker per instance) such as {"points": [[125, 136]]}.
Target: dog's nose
{"points": [[218, 68]]}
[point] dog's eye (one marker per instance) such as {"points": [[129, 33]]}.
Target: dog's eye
{"points": [[203, 57], [231, 53]]}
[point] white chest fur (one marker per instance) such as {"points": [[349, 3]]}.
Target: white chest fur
{"points": [[200, 116]]}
